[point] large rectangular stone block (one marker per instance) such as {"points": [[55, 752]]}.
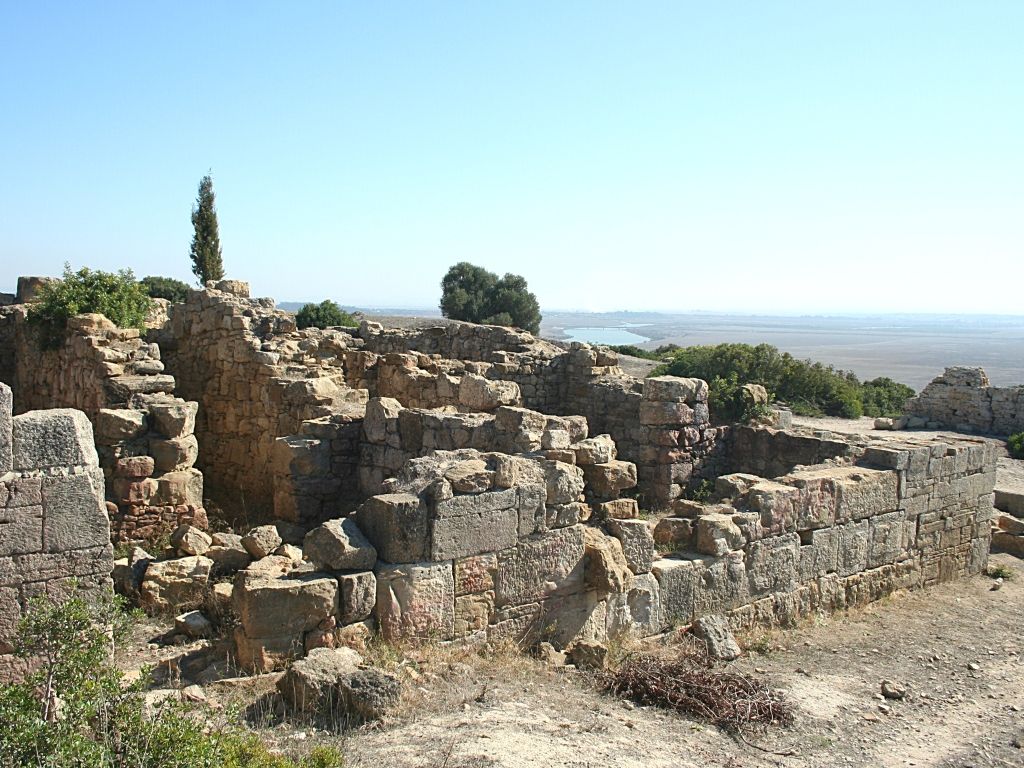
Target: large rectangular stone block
{"points": [[74, 514], [772, 564], [862, 493], [272, 607], [677, 584], [21, 530], [539, 566], [854, 545], [416, 600], [60, 437], [397, 525], [474, 524], [6, 429], [887, 534]]}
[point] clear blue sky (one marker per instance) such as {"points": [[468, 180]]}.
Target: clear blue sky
{"points": [[770, 156]]}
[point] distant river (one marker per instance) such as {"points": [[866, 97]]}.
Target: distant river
{"points": [[611, 336]]}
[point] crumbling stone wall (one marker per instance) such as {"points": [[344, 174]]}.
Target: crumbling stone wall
{"points": [[143, 432], [962, 399], [53, 523]]}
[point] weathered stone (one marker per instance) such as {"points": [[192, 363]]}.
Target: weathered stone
{"points": [[610, 479], [415, 600], [310, 684], [637, 542], [619, 509], [677, 582], [674, 533], [74, 515], [657, 413], [599, 449], [191, 540], [357, 597], [717, 534], [6, 429], [470, 477], [269, 607], [174, 419], [475, 574], [339, 545], [261, 541], [587, 654], [134, 466], [715, 632], [60, 437], [606, 569], [474, 524], [473, 613], [174, 455], [539, 566], [480, 394], [194, 624], [118, 424], [369, 693], [397, 526], [171, 583], [564, 482], [184, 487], [674, 389]]}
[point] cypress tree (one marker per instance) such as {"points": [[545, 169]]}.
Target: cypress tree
{"points": [[206, 253]]}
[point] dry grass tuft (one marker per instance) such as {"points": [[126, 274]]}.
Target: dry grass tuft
{"points": [[689, 683]]}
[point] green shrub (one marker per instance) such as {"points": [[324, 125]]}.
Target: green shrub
{"points": [[175, 291], [1015, 445], [809, 388], [75, 710], [473, 294], [118, 296], [326, 314], [634, 351]]}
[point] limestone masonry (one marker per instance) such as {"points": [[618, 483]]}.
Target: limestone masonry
{"points": [[962, 399], [470, 483]]}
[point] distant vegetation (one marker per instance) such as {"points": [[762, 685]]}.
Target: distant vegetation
{"points": [[1015, 445], [473, 294], [175, 291], [326, 314], [118, 296], [809, 388], [660, 353]]}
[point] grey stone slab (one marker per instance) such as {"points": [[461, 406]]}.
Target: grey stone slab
{"points": [[74, 515], [540, 566], [6, 427], [59, 437], [21, 530]]}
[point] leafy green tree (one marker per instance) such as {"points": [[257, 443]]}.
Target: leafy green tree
{"points": [[473, 294], [326, 314], [118, 296], [168, 288], [206, 252]]}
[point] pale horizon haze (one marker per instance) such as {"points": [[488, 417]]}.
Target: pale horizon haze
{"points": [[791, 157]]}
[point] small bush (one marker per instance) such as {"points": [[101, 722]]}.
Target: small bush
{"points": [[75, 710], [1015, 445], [635, 351], [326, 314], [118, 296], [884, 397], [175, 291]]}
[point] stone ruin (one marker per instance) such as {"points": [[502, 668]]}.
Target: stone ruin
{"points": [[962, 399], [472, 483]]}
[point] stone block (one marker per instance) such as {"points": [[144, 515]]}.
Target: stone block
{"points": [[886, 538], [674, 389], [175, 419], [657, 413], [261, 541], [718, 534], [116, 425], [610, 479], [595, 450], [778, 506], [619, 509], [59, 437], [473, 613], [723, 584], [772, 564], [339, 545], [415, 600], [178, 488], [605, 567], [475, 574], [134, 467], [480, 394], [714, 630], [637, 611], [853, 548], [564, 482], [540, 566], [379, 411], [122, 388], [21, 530], [397, 525], [174, 455], [269, 607], [310, 684], [474, 524], [470, 476], [190, 540], [74, 515], [265, 654], [675, 533], [172, 583], [677, 583], [357, 597], [6, 429], [820, 555], [862, 492], [637, 542]]}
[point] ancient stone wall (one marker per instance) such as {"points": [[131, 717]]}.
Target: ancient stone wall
{"points": [[962, 399], [53, 523], [143, 432]]}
